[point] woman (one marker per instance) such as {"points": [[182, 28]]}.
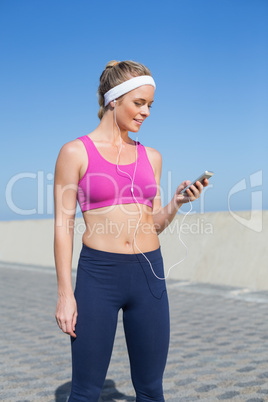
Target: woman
{"points": [[116, 181]]}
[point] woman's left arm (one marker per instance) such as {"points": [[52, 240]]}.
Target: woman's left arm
{"points": [[163, 216]]}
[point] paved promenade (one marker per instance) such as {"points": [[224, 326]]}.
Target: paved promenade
{"points": [[218, 350]]}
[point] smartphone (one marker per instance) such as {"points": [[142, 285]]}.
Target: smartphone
{"points": [[206, 175]]}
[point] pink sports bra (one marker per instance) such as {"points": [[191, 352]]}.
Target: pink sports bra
{"points": [[103, 184]]}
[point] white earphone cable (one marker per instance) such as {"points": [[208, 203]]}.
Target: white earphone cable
{"points": [[140, 210], [120, 149]]}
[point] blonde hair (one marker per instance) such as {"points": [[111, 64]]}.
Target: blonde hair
{"points": [[116, 73]]}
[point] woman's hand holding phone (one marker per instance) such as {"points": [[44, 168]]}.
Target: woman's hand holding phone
{"points": [[190, 191]]}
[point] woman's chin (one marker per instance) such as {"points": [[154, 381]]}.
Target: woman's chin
{"points": [[134, 129]]}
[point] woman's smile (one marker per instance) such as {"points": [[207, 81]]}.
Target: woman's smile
{"points": [[138, 121]]}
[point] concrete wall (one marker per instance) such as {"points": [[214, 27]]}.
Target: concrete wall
{"points": [[222, 249]]}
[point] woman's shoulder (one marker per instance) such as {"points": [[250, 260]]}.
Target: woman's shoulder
{"points": [[153, 154], [72, 151], [155, 159], [71, 147]]}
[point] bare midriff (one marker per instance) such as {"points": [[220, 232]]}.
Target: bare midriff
{"points": [[112, 229]]}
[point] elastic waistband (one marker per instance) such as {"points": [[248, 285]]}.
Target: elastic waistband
{"points": [[121, 257]]}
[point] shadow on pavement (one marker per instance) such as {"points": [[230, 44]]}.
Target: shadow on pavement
{"points": [[109, 393]]}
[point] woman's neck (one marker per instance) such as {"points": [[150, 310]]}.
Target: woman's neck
{"points": [[108, 130]]}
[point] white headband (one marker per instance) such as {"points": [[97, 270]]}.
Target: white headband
{"points": [[127, 86]]}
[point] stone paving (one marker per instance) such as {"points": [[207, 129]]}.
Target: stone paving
{"points": [[218, 349]]}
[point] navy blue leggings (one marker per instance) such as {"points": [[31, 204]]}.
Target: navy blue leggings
{"points": [[107, 282]]}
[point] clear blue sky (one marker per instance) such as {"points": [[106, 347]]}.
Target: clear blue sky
{"points": [[209, 59]]}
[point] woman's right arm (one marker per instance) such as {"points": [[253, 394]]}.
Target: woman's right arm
{"points": [[65, 199]]}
